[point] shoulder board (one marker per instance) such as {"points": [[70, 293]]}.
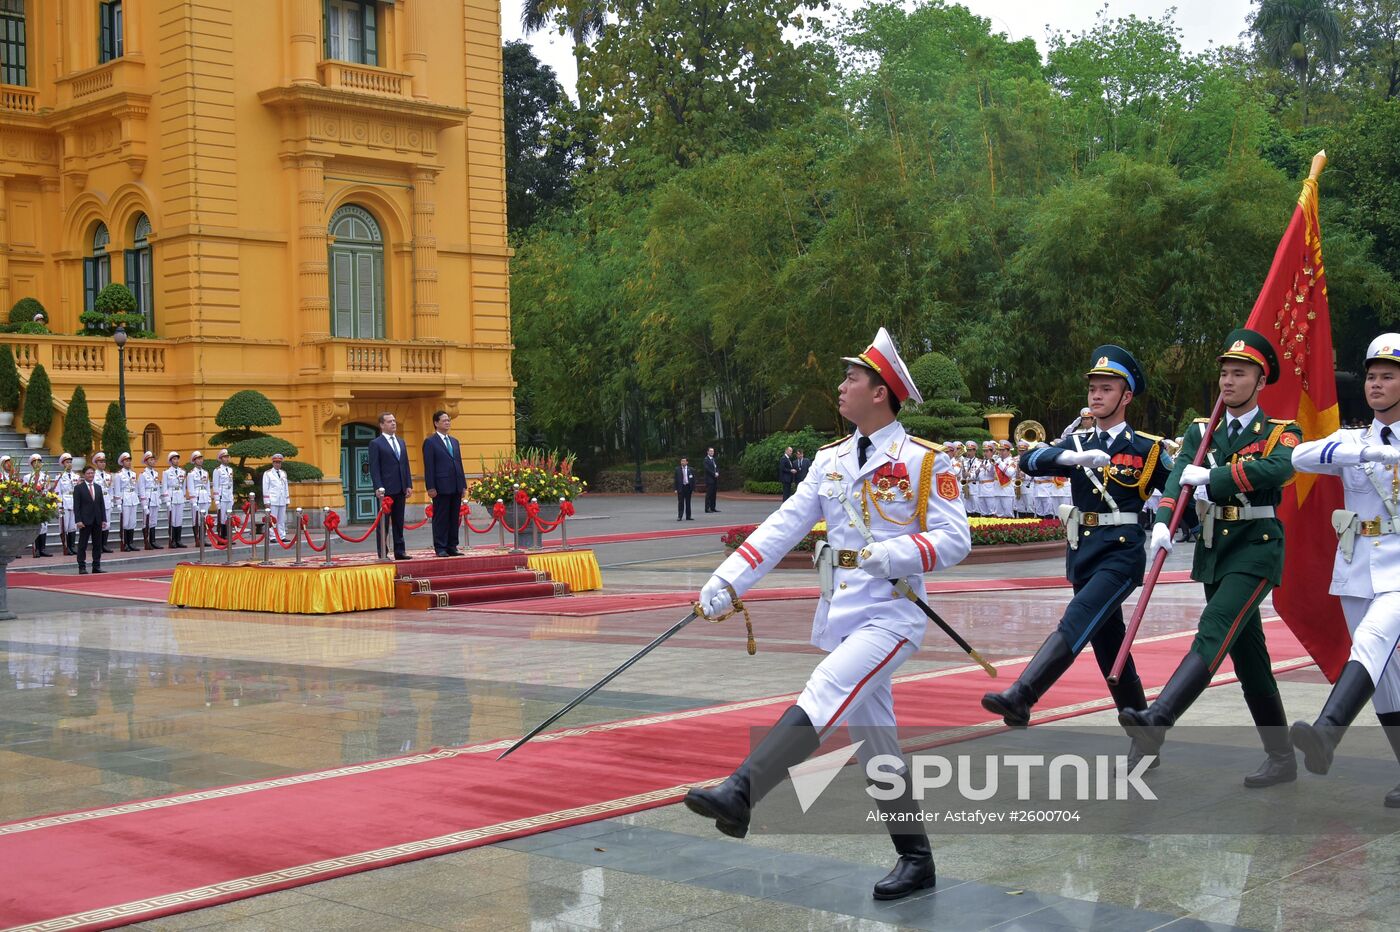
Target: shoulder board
{"points": [[927, 444], [1153, 437], [835, 442], [1202, 420], [1282, 420]]}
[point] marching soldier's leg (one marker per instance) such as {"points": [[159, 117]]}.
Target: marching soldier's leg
{"points": [[1252, 665], [873, 725], [1128, 694], [1092, 604], [1373, 644]]}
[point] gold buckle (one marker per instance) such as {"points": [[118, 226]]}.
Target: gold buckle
{"points": [[1089, 519], [1371, 528], [846, 559], [1228, 513]]}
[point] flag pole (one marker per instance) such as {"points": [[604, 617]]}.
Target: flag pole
{"points": [[1183, 500]]}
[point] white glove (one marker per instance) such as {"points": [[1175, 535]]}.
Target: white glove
{"points": [[1091, 458], [1195, 475], [1161, 539], [1388, 456], [716, 598], [875, 560]]}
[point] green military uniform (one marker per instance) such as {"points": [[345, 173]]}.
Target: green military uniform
{"points": [[1239, 558]]}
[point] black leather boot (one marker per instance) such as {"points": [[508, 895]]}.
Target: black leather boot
{"points": [[915, 869], [175, 534], [1319, 740], [1281, 766], [66, 540], [1047, 666], [791, 741], [105, 537], [1149, 727], [151, 540], [1391, 722], [42, 546], [126, 541], [1129, 695]]}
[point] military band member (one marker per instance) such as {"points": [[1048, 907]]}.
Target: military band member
{"points": [[68, 528], [42, 481], [987, 494], [198, 493], [172, 493], [127, 499], [148, 489], [1366, 573], [903, 491], [1239, 556], [276, 494], [103, 479], [223, 492], [1112, 469]]}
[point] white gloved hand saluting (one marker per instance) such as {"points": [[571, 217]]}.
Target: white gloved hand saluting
{"points": [[1387, 456], [1091, 458], [875, 560], [716, 598], [1161, 539], [1195, 475]]}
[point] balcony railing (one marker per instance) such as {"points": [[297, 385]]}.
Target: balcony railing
{"points": [[19, 99], [364, 79], [350, 358], [84, 355]]}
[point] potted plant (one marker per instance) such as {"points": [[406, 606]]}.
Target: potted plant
{"points": [[546, 478], [38, 408], [22, 509], [115, 306], [9, 386], [77, 429]]}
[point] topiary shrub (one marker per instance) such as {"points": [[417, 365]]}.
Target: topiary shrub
{"points": [[38, 402], [9, 379], [77, 425], [115, 439], [240, 417], [759, 461], [937, 376], [24, 310], [114, 307]]}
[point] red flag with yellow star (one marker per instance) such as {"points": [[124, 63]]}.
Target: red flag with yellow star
{"points": [[1292, 312]]}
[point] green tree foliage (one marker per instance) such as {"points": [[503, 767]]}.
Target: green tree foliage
{"points": [[116, 439], [759, 462], [1301, 36], [541, 152], [942, 416], [38, 402], [9, 379], [114, 306], [77, 425], [240, 417], [25, 309]]}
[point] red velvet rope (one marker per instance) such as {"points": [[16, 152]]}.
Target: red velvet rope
{"points": [[215, 540], [466, 519], [306, 530], [384, 505], [427, 516], [290, 542]]}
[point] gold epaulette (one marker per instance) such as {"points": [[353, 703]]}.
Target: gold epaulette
{"points": [[927, 444], [1282, 420], [1202, 420], [1152, 437], [835, 442]]}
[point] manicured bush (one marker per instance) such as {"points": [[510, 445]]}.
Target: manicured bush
{"points": [[24, 310], [9, 379], [77, 425], [115, 439], [759, 462], [38, 402]]}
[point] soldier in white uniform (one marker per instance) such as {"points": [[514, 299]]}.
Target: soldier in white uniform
{"points": [[68, 528], [172, 486], [125, 493], [1366, 573], [223, 492], [988, 495], [149, 491], [903, 491], [197, 493], [45, 483], [276, 495], [103, 480]]}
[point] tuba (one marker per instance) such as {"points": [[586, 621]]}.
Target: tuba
{"points": [[1032, 432]]}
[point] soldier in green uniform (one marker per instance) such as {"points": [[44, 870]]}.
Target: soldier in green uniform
{"points": [[1239, 556]]}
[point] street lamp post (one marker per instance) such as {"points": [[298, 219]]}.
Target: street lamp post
{"points": [[119, 337]]}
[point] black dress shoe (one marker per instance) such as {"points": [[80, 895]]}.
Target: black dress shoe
{"points": [[454, 552], [82, 571], [443, 553], [402, 556], [96, 570]]}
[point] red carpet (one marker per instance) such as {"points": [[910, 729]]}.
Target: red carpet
{"points": [[103, 868], [136, 585], [613, 603]]}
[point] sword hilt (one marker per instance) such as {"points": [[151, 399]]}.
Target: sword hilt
{"points": [[736, 607]]}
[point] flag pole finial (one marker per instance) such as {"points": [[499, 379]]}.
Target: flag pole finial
{"points": [[1318, 162]]}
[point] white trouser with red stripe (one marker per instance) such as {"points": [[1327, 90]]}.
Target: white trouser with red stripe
{"points": [[852, 686], [1375, 633]]}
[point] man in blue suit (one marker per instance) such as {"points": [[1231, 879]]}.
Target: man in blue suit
{"points": [[446, 480], [390, 472]]}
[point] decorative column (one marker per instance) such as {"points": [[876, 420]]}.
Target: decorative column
{"points": [[313, 284], [415, 55], [5, 300], [305, 19], [133, 21], [425, 254]]}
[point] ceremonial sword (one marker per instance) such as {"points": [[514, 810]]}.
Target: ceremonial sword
{"points": [[903, 588], [577, 700]]}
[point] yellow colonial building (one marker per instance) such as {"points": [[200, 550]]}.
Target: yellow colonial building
{"points": [[306, 197]]}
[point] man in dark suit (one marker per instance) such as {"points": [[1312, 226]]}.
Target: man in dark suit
{"points": [[787, 473], [90, 514], [446, 480], [711, 481], [801, 464], [389, 471], [684, 485]]}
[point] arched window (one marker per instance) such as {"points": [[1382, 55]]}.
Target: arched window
{"points": [[14, 44], [97, 267], [138, 271], [151, 440], [357, 275]]}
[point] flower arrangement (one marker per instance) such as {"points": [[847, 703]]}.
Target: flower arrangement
{"points": [[23, 505], [546, 476], [1015, 530], [737, 535]]}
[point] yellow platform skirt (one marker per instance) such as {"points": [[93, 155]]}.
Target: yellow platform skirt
{"points": [[578, 568], [293, 591]]}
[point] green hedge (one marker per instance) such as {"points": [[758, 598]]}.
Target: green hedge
{"points": [[759, 462], [754, 487], [24, 310], [38, 402]]}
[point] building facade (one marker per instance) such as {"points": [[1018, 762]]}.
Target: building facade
{"points": [[306, 197]]}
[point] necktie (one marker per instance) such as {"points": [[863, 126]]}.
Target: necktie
{"points": [[1234, 431], [862, 449], [1106, 439], [447, 443], [1386, 434], [394, 445]]}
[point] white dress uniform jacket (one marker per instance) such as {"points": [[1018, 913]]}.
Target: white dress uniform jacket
{"points": [[859, 600], [223, 490], [274, 485], [148, 489], [66, 481], [197, 489]]}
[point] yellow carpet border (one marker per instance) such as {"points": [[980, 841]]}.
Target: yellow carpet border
{"points": [[293, 591]]}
